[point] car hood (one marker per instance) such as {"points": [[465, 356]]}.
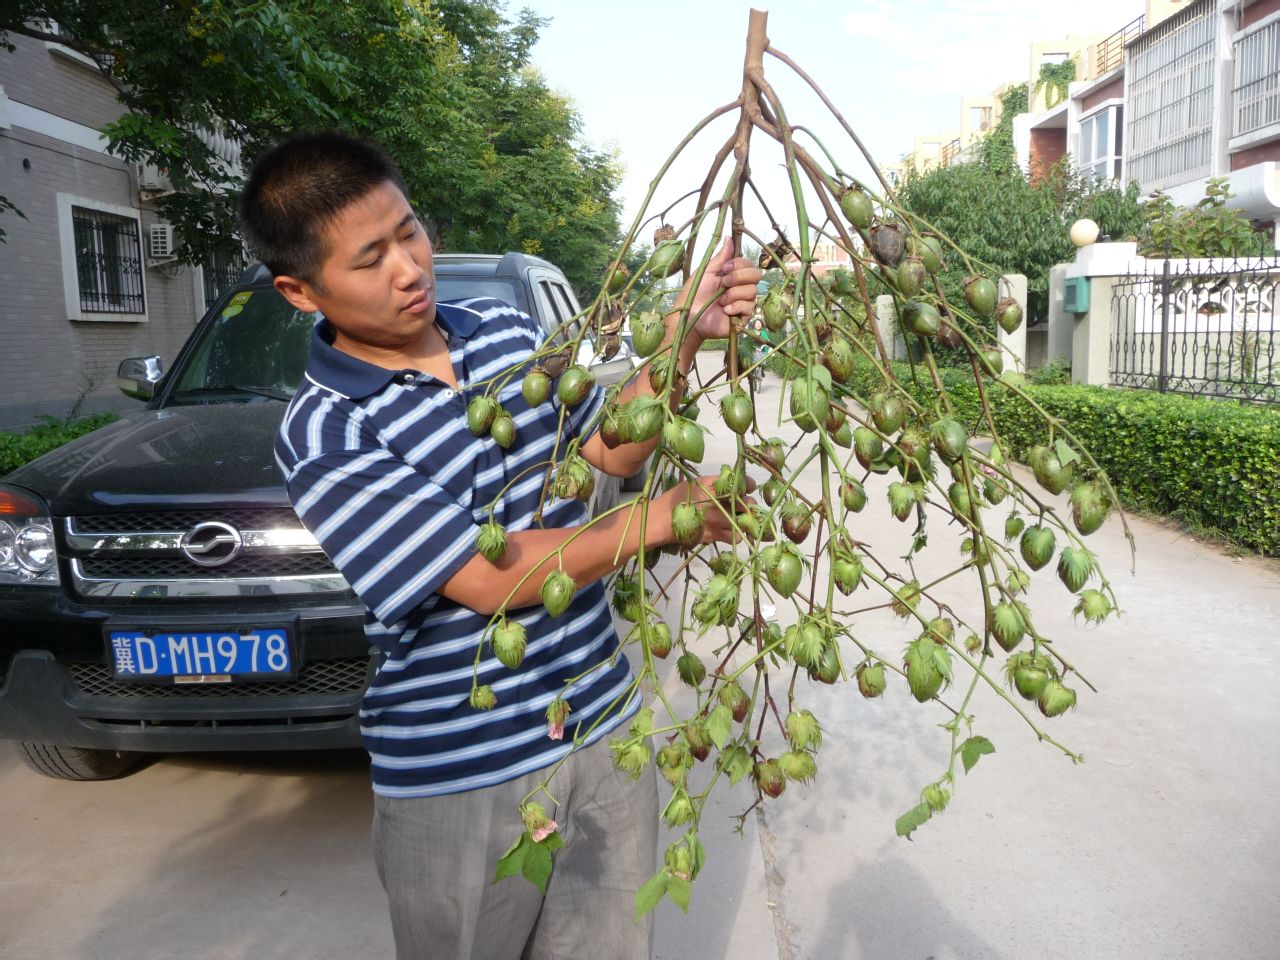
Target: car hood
{"points": [[173, 458]]}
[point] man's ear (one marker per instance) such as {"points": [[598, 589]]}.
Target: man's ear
{"points": [[298, 292]]}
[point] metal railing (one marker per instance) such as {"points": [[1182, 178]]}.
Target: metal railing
{"points": [[108, 262], [950, 152], [1200, 327], [219, 273], [1108, 54], [1257, 80]]}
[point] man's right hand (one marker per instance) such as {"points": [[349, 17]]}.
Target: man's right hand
{"points": [[716, 525]]}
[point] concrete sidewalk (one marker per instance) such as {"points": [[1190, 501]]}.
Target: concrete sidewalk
{"points": [[1162, 844]]}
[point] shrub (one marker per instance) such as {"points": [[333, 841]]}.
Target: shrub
{"points": [[19, 448], [1210, 463]]}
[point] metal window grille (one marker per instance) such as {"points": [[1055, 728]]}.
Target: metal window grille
{"points": [[1257, 80], [1170, 81], [219, 273], [108, 262]]}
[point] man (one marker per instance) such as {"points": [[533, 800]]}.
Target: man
{"points": [[381, 466]]}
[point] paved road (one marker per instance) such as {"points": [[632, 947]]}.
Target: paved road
{"points": [[1162, 845]]}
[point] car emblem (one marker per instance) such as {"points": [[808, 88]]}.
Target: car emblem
{"points": [[211, 544]]}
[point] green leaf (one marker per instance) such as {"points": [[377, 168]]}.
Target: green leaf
{"points": [[972, 749], [649, 895], [537, 865], [679, 890], [720, 725], [552, 841], [512, 861], [912, 820], [1066, 456]]}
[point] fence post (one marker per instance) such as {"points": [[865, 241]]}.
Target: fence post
{"points": [[1058, 338], [1165, 289], [1091, 339], [890, 332], [1015, 344]]}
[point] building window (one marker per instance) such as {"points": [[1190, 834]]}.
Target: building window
{"points": [[1100, 143], [980, 118], [1257, 80], [102, 266], [1171, 95], [108, 262], [218, 274]]}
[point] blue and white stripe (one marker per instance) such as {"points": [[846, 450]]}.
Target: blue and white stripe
{"points": [[381, 467]]}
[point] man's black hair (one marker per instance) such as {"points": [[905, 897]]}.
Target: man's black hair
{"points": [[299, 187]]}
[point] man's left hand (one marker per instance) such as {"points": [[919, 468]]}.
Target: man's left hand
{"points": [[734, 279]]}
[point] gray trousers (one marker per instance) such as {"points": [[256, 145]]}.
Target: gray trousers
{"points": [[436, 858]]}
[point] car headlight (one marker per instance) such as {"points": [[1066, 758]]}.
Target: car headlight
{"points": [[27, 551]]}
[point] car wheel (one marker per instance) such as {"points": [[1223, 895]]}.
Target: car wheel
{"points": [[76, 763]]}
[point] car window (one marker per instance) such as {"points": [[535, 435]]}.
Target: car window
{"points": [[462, 288], [256, 346]]}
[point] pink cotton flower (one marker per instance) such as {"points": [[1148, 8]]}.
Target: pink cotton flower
{"points": [[541, 833], [557, 712]]}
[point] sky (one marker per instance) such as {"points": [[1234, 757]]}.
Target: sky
{"points": [[642, 74]]}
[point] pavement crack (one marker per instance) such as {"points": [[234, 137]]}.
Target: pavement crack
{"points": [[783, 929]]}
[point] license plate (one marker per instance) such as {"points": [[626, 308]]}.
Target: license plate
{"points": [[201, 657]]}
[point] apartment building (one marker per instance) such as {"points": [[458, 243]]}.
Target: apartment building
{"points": [[978, 114], [89, 276], [1186, 92]]}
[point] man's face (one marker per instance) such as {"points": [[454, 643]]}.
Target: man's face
{"points": [[376, 285]]}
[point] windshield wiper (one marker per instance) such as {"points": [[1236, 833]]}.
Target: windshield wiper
{"points": [[238, 388]]}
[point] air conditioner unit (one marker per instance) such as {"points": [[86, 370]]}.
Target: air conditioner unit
{"points": [[160, 244], [153, 180]]}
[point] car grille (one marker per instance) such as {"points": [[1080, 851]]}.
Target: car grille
{"points": [[168, 567], [245, 519], [143, 555], [318, 677]]}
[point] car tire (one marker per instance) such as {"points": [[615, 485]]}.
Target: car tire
{"points": [[76, 763]]}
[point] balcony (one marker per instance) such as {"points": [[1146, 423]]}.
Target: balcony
{"points": [[1108, 54], [1256, 116]]}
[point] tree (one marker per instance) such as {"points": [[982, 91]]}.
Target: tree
{"points": [[491, 156], [1015, 224]]}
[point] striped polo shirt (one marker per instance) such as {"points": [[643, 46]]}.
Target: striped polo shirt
{"points": [[381, 466]]}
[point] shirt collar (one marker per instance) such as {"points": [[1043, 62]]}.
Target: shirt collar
{"points": [[354, 379]]}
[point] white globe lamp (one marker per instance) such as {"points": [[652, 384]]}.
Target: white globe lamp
{"points": [[1084, 232]]}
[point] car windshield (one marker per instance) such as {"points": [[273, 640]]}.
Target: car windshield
{"points": [[255, 348]]}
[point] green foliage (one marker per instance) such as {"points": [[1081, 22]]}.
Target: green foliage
{"points": [[1013, 223], [1209, 463], [19, 448], [1051, 374], [1054, 79], [490, 154], [1209, 229], [996, 151]]}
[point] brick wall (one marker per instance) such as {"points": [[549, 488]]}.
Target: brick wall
{"points": [[1258, 154], [1257, 10], [50, 361], [1047, 148]]}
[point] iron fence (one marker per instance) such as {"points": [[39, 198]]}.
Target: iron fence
{"points": [[1199, 327]]}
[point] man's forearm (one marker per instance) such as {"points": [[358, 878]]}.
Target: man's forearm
{"points": [[587, 555]]}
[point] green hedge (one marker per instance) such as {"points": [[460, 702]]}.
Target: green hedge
{"points": [[1214, 464], [19, 448]]}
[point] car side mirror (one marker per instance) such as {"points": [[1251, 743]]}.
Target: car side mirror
{"points": [[137, 377]]}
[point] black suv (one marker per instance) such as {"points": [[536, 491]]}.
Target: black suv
{"points": [[157, 591]]}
